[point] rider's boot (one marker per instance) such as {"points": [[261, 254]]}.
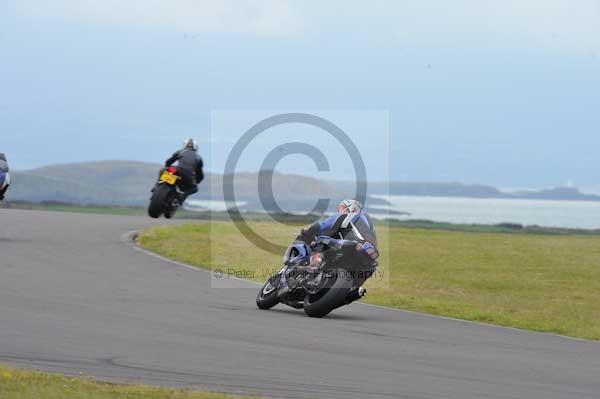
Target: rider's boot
{"points": [[176, 202], [355, 294], [181, 198]]}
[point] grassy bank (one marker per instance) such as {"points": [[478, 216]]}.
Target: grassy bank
{"points": [[541, 282], [19, 384]]}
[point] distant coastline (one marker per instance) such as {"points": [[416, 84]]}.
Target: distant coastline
{"points": [[126, 183], [433, 189]]}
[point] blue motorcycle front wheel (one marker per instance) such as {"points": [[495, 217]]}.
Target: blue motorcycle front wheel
{"points": [[267, 296]]}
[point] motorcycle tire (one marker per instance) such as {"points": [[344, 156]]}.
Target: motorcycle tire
{"points": [[323, 303], [170, 210], [158, 200], [268, 300]]}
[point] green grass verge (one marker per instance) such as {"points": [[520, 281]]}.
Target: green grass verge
{"points": [[539, 282], [20, 384]]}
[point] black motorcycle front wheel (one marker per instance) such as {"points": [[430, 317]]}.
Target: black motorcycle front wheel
{"points": [[267, 296], [331, 297], [158, 200]]}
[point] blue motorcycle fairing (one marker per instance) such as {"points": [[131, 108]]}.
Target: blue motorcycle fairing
{"points": [[303, 255], [284, 288], [2, 178]]}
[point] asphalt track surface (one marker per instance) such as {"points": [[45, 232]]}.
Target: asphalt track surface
{"points": [[76, 297]]}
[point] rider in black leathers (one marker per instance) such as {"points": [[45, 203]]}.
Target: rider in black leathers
{"points": [[189, 166]]}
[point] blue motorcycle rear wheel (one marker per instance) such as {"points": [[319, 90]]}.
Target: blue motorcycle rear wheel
{"points": [[330, 298]]}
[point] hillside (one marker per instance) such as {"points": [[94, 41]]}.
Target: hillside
{"points": [[128, 183], [105, 183]]}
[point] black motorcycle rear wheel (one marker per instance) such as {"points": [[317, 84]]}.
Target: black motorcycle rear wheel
{"points": [[331, 297], [170, 208], [267, 296], [158, 200]]}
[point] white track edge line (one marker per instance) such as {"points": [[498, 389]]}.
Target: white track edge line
{"points": [[129, 239]]}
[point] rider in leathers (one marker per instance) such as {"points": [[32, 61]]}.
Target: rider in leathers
{"points": [[350, 223], [189, 166]]}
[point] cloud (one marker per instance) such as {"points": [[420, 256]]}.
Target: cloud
{"points": [[563, 24], [258, 17], [558, 24]]}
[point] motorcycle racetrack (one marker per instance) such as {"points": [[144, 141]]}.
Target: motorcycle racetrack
{"points": [[77, 297]]}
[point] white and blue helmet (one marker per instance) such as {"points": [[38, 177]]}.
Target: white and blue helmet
{"points": [[349, 206]]}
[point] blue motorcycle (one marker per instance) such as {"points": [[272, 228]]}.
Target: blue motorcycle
{"points": [[4, 176], [319, 278]]}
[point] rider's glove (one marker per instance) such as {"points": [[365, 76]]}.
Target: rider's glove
{"points": [[370, 251]]}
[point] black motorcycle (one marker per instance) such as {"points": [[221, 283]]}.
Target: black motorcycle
{"points": [[165, 194], [319, 278]]}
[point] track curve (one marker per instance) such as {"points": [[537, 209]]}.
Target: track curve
{"points": [[75, 298]]}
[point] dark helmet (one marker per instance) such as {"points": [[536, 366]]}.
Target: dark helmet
{"points": [[191, 144]]}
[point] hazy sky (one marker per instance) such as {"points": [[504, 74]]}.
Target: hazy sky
{"points": [[500, 92]]}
